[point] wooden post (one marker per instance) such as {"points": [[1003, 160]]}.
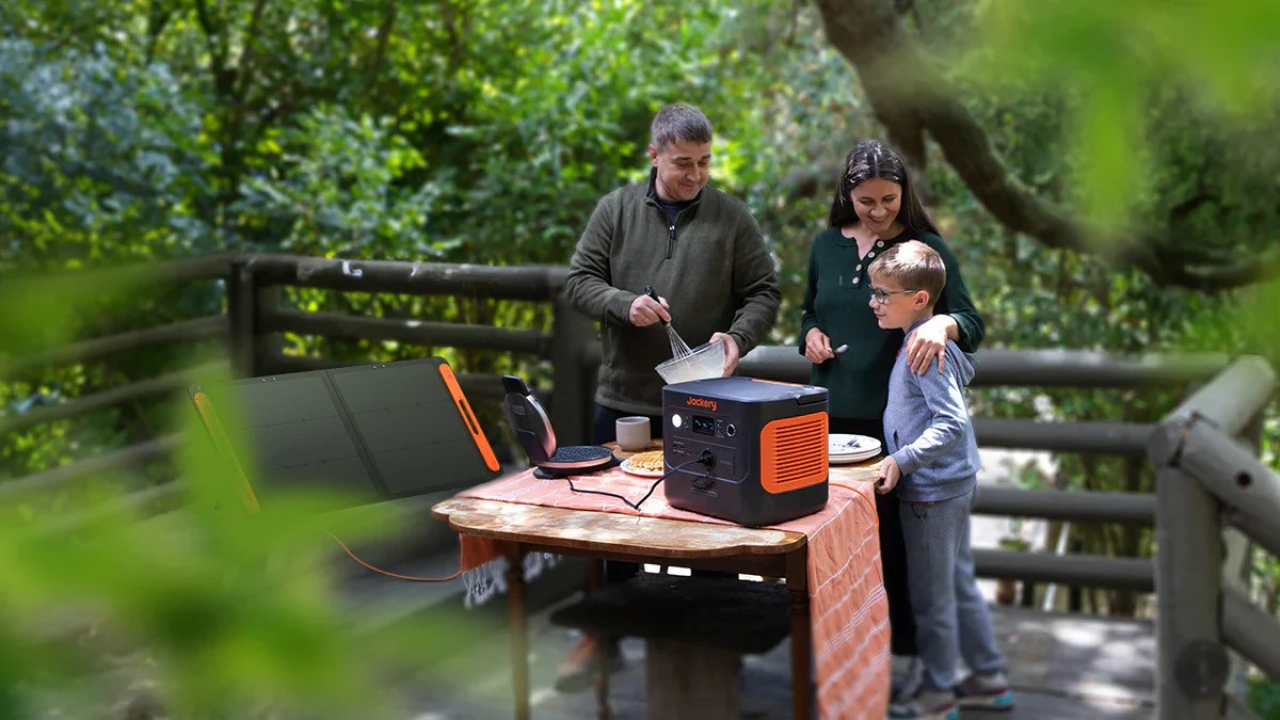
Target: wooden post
{"points": [[267, 346], [801, 639], [1229, 469], [1247, 488], [1191, 660], [1237, 569], [1075, 593], [573, 389], [599, 675], [242, 317], [688, 681], [517, 624]]}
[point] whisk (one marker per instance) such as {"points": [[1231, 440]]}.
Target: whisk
{"points": [[679, 350]]}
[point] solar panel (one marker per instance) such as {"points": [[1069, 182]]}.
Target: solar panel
{"points": [[375, 431]]}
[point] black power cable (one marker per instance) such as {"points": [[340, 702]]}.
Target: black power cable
{"points": [[706, 459]]}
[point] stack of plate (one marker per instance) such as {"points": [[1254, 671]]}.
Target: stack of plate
{"points": [[851, 448]]}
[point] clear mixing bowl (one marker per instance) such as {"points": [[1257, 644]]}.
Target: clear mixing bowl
{"points": [[704, 363]]}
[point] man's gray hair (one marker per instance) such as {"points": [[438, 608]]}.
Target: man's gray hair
{"points": [[679, 122]]}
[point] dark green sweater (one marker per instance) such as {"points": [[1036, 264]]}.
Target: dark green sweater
{"points": [[711, 265], [835, 301]]}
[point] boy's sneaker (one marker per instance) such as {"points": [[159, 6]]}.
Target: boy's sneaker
{"points": [[989, 690], [927, 705], [906, 674]]}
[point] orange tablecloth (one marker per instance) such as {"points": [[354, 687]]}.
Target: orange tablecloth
{"points": [[849, 614]]}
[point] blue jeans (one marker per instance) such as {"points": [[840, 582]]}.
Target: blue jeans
{"points": [[951, 616]]}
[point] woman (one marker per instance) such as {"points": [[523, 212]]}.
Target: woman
{"points": [[875, 207]]}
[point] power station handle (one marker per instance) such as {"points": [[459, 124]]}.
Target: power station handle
{"points": [[648, 290]]}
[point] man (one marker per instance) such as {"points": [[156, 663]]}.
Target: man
{"points": [[698, 247], [702, 252]]}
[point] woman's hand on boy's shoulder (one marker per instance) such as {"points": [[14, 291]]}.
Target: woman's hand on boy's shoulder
{"points": [[927, 342]]}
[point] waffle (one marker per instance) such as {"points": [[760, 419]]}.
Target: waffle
{"points": [[580, 453], [650, 461]]}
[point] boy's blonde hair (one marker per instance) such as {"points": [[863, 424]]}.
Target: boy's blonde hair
{"points": [[914, 266]]}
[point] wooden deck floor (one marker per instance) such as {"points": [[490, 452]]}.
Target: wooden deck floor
{"points": [[1061, 666]]}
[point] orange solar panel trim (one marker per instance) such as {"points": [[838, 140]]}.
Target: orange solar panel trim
{"points": [[469, 418], [211, 422], [793, 453]]}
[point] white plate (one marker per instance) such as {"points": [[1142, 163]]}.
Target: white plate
{"points": [[846, 459], [626, 468], [841, 444], [859, 453]]}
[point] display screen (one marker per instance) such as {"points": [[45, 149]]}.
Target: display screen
{"points": [[703, 424]]}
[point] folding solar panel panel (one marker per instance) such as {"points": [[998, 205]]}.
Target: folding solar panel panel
{"points": [[416, 426], [375, 431]]}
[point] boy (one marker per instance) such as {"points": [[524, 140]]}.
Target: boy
{"points": [[932, 452]]}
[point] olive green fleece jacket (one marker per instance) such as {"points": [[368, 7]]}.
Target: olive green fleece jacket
{"points": [[711, 266]]}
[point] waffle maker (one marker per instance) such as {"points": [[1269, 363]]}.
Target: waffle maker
{"points": [[533, 431]]}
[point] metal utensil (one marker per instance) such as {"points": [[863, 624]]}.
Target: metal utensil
{"points": [[840, 350], [679, 349]]}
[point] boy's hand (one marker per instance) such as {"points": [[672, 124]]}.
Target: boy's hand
{"points": [[890, 473]]}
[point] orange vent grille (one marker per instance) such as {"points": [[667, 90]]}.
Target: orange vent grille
{"points": [[793, 453]]}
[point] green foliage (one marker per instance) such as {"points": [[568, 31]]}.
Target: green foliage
{"points": [[1110, 61], [98, 164], [338, 190], [485, 132], [229, 615], [1264, 698]]}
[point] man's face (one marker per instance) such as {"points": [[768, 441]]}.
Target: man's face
{"points": [[683, 169]]}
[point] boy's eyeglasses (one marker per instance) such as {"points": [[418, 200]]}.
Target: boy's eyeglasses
{"points": [[882, 296]]}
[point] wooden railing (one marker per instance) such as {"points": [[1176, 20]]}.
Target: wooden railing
{"points": [[256, 316], [35, 366], [1213, 499], [1206, 467], [1053, 368]]}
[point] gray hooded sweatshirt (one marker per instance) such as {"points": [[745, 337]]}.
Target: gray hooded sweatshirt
{"points": [[927, 428]]}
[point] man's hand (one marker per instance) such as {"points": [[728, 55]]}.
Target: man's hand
{"points": [[890, 473], [817, 347], [645, 311], [927, 342], [730, 352]]}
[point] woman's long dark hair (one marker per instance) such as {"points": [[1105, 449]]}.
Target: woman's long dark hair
{"points": [[873, 159]]}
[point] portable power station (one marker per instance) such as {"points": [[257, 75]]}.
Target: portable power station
{"points": [[767, 441]]}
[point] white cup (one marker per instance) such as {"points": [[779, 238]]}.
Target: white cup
{"points": [[633, 433]]}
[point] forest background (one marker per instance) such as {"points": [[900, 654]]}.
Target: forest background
{"points": [[1105, 172]]}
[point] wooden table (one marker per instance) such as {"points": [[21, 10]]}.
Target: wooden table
{"points": [[603, 536]]}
